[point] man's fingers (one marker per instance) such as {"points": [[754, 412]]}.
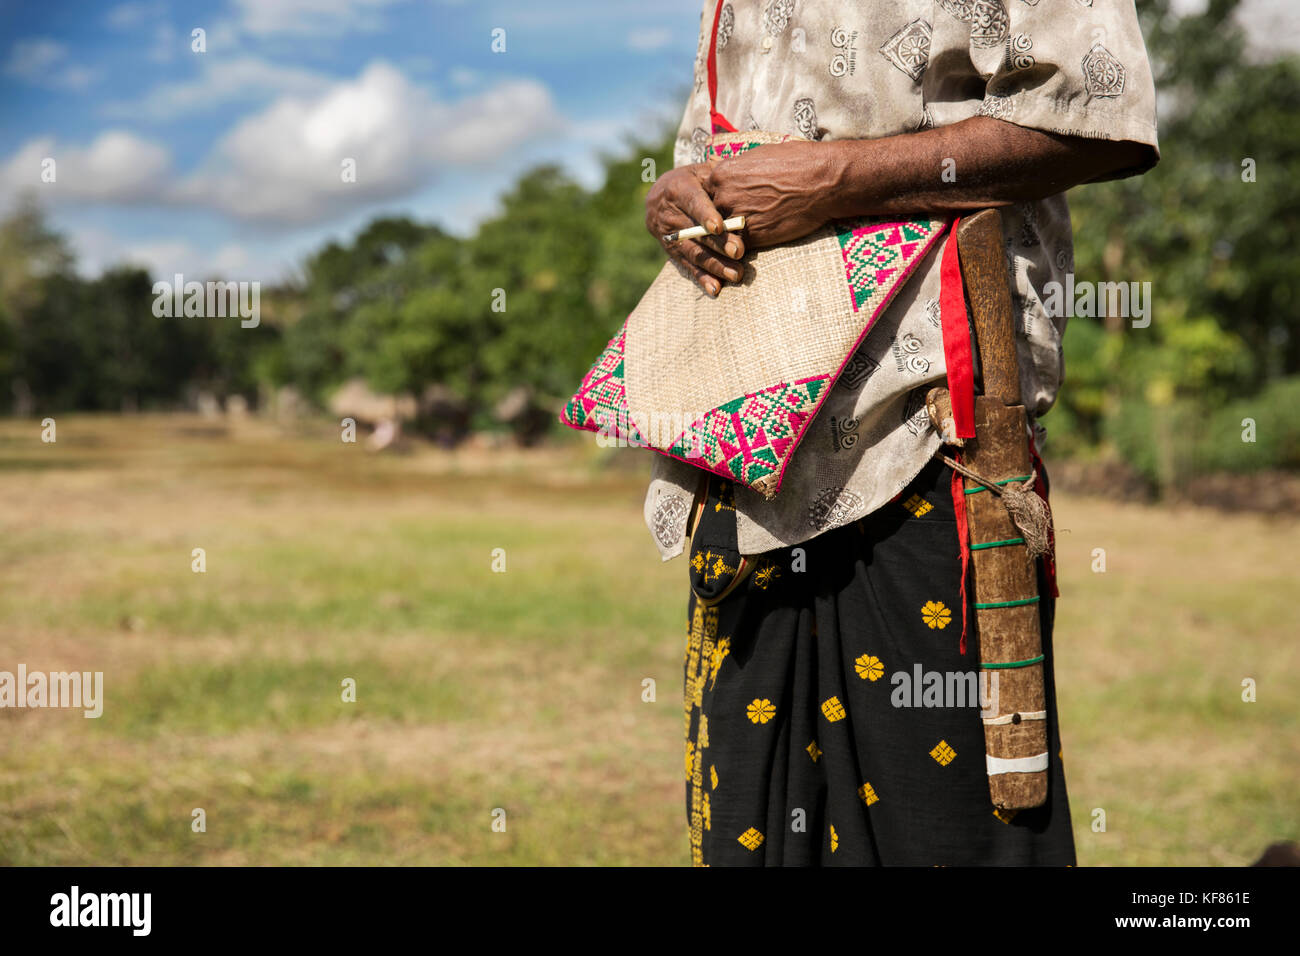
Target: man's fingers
{"points": [[708, 260], [685, 202], [702, 278], [731, 243], [705, 281], [698, 208], [728, 244]]}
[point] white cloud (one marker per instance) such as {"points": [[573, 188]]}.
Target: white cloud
{"points": [[263, 18], [1272, 26], [29, 59], [283, 165], [117, 166], [166, 43], [219, 82], [223, 36], [45, 62], [126, 16], [647, 39], [148, 16], [98, 250]]}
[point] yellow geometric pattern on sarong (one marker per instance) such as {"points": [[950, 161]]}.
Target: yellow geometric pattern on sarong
{"points": [[701, 661]]}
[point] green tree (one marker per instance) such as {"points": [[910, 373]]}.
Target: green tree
{"points": [[1213, 244]]}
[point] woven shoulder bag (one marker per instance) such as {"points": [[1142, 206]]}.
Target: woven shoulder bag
{"points": [[731, 384]]}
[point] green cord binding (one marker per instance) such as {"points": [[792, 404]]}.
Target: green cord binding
{"points": [[1025, 663], [996, 544], [990, 604], [1004, 481]]}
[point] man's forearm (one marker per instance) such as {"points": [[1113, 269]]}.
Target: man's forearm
{"points": [[987, 162], [787, 190]]}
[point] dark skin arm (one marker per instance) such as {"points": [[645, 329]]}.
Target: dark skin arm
{"points": [[787, 190]]}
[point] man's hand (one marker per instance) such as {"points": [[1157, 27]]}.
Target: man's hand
{"points": [[783, 190], [787, 190], [679, 200]]}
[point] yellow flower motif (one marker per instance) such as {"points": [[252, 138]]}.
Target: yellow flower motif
{"points": [[713, 776], [833, 710], [722, 649], [704, 731], [765, 575], [708, 814], [751, 839], [720, 567], [761, 711], [936, 614], [814, 751], [918, 506], [690, 758], [835, 839], [869, 668], [943, 753], [725, 501], [697, 562], [868, 794]]}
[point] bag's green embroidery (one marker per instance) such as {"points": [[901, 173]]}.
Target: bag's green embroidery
{"points": [[752, 438]]}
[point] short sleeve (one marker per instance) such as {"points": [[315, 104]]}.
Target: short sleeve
{"points": [[1071, 67], [691, 144]]}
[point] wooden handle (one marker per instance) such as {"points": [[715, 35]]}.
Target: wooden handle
{"points": [[984, 271]]}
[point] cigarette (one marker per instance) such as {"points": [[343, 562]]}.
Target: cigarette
{"points": [[734, 224]]}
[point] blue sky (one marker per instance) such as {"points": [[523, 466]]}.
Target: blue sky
{"points": [[228, 161]]}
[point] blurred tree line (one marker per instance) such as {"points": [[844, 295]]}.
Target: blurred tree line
{"points": [[495, 330], [1209, 227]]}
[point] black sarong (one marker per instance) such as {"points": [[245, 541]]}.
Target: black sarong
{"points": [[814, 732]]}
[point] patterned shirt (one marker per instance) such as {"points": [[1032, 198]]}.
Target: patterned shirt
{"points": [[829, 70]]}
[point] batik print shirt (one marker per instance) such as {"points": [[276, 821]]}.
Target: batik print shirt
{"points": [[829, 70]]}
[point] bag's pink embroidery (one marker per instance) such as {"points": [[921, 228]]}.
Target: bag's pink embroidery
{"points": [[875, 252], [752, 438]]}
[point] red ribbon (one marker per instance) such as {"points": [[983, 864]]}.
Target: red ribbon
{"points": [[961, 389], [720, 123], [956, 338]]}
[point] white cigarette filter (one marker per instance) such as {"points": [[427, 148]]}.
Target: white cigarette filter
{"points": [[734, 224]]}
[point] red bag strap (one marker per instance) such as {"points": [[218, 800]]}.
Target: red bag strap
{"points": [[956, 338], [961, 390], [719, 122]]}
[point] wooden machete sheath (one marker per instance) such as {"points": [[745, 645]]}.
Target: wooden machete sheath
{"points": [[1003, 574]]}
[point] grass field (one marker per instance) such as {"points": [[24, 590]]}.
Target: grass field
{"points": [[522, 690]]}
